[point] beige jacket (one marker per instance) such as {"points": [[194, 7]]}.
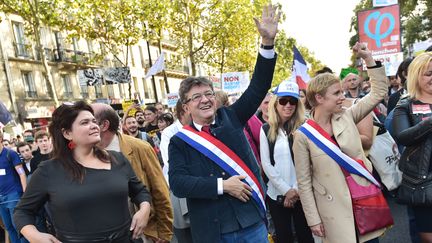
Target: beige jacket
{"points": [[323, 191], [146, 166]]}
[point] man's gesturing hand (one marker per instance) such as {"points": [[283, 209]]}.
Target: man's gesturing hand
{"points": [[268, 25], [236, 188]]}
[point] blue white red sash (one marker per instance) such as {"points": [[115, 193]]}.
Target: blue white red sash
{"points": [[323, 140], [224, 157]]}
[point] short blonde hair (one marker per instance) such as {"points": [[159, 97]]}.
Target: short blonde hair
{"points": [[415, 72], [319, 85]]}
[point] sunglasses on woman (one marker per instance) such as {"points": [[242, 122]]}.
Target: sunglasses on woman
{"points": [[284, 100]]}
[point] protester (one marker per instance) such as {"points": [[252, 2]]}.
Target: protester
{"points": [[286, 114], [86, 188], [181, 224], [324, 185], [160, 108], [395, 85], [7, 144], [150, 115], [28, 136], [43, 142], [24, 150], [222, 207], [351, 79], [302, 97], [12, 184], [262, 112], [145, 165], [139, 116], [401, 74], [164, 120], [412, 122]]}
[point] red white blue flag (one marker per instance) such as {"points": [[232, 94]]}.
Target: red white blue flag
{"points": [[300, 69]]}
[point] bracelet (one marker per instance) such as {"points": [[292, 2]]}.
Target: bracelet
{"points": [[267, 47]]}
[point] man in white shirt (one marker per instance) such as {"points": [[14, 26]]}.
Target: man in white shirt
{"points": [[181, 218]]}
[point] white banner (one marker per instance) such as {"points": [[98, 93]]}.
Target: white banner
{"points": [[391, 62], [172, 99], [235, 81], [421, 46], [90, 76], [157, 67], [383, 3]]}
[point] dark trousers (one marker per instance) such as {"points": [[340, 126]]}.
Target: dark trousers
{"points": [[183, 235], [282, 218]]}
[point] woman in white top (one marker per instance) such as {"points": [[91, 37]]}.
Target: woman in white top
{"points": [[286, 114]]}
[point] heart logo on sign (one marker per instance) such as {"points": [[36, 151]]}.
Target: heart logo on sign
{"points": [[377, 35]]}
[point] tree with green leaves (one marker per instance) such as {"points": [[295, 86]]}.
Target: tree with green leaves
{"points": [[36, 14]]}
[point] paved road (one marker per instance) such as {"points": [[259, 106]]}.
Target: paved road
{"points": [[399, 233]]}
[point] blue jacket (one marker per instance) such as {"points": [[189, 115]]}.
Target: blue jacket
{"points": [[194, 176]]}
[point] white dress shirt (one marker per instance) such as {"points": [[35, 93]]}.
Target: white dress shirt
{"points": [[282, 176], [166, 136]]}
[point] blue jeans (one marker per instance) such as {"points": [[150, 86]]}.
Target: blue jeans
{"points": [[252, 234], [7, 206]]}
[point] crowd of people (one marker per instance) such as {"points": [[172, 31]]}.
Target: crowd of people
{"points": [[285, 165]]}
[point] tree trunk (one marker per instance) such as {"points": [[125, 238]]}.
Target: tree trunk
{"points": [[47, 69], [223, 58], [190, 42], [163, 71]]}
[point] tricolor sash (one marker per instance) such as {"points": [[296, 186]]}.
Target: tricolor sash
{"points": [[323, 140], [224, 157]]}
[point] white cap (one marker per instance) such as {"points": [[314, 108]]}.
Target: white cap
{"points": [[287, 88]]}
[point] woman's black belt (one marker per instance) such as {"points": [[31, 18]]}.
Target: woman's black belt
{"points": [[122, 235]]}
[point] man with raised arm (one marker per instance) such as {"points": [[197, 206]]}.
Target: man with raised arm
{"points": [[211, 162]]}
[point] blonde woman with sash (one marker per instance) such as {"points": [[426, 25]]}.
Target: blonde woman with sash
{"points": [[322, 184]]}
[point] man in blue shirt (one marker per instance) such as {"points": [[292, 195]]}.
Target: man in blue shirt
{"points": [[12, 184]]}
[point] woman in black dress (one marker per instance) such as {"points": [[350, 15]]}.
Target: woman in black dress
{"points": [[86, 188]]}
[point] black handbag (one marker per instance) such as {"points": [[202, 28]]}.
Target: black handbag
{"points": [[414, 191]]}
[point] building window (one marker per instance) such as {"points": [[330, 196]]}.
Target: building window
{"points": [[110, 89], [67, 86], [45, 85], [98, 89], [162, 87], [29, 85], [131, 55], [22, 49], [141, 52], [84, 91], [148, 88]]}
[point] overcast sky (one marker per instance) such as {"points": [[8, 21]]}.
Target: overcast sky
{"points": [[322, 27]]}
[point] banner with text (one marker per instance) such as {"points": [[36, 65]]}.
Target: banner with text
{"points": [[382, 3], [391, 62], [235, 81], [380, 29], [172, 99], [216, 81]]}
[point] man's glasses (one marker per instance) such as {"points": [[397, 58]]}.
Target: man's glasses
{"points": [[198, 97], [285, 100]]}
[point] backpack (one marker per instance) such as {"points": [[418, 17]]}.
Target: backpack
{"points": [[266, 128]]}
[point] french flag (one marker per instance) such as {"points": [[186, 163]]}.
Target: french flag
{"points": [[300, 70]]}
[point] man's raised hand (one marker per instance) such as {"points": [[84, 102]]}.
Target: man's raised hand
{"points": [[268, 25]]}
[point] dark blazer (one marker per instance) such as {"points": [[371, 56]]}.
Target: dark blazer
{"points": [[194, 176]]}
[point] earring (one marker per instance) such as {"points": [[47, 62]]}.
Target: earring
{"points": [[71, 145]]}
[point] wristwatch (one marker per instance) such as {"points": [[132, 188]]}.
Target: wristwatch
{"points": [[267, 47]]}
